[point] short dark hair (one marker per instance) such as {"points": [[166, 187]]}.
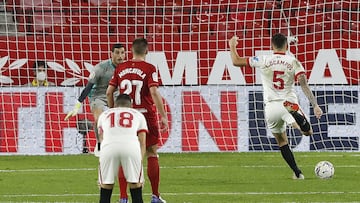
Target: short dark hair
{"points": [[38, 64], [123, 100], [279, 40], [140, 46], [116, 46]]}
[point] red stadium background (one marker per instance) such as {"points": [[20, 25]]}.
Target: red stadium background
{"points": [[84, 31]]}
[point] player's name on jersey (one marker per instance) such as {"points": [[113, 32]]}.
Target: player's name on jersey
{"points": [[132, 71]]}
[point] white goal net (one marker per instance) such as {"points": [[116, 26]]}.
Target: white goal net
{"points": [[212, 105]]}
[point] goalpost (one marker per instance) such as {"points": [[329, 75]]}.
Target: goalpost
{"points": [[212, 105]]}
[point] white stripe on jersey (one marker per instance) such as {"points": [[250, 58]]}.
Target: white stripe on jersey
{"points": [[278, 75]]}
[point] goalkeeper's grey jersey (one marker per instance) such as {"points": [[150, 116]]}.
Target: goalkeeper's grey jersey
{"points": [[100, 77]]}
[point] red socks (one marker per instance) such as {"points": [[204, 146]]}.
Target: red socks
{"points": [[122, 183], [153, 172]]}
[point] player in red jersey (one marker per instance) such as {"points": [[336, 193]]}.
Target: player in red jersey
{"points": [[139, 79]]}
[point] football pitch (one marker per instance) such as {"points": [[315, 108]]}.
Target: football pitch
{"points": [[187, 177]]}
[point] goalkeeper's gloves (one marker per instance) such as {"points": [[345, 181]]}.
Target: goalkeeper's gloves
{"points": [[292, 39], [74, 111]]}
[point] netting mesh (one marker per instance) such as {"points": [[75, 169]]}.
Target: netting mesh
{"points": [[212, 105]]}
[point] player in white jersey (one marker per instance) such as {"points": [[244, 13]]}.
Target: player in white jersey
{"points": [[122, 133], [279, 72]]}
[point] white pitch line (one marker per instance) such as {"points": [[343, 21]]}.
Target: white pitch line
{"points": [[192, 194], [46, 170], [321, 154], [162, 167], [90, 169], [179, 167], [249, 166]]}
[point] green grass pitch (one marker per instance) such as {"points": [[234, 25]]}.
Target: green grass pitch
{"points": [[187, 177]]}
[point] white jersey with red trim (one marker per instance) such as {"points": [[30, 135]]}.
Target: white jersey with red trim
{"points": [[121, 125], [278, 74]]}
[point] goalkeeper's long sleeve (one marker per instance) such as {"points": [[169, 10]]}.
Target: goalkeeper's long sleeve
{"points": [[85, 92]]}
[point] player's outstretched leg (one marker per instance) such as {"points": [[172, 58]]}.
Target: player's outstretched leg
{"points": [[123, 186], [299, 117]]}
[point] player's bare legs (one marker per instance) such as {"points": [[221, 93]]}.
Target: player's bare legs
{"points": [[287, 154]]}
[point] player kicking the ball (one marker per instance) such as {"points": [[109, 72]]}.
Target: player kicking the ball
{"points": [[122, 133], [279, 73]]}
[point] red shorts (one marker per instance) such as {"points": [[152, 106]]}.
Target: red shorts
{"points": [[152, 137]]}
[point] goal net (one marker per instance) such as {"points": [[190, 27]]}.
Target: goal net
{"points": [[211, 105]]}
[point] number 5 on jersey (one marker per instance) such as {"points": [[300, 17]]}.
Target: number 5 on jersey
{"points": [[278, 82]]}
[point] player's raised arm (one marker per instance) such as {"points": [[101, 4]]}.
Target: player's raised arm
{"points": [[109, 95], [236, 59], [308, 93], [160, 107]]}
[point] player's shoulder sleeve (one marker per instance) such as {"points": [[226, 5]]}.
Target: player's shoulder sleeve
{"points": [[96, 74], [256, 61], [142, 123], [153, 78], [114, 79], [298, 68]]}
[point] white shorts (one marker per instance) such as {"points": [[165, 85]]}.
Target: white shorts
{"points": [[114, 155], [277, 117]]}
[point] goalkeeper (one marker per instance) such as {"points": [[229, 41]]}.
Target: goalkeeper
{"points": [[97, 84]]}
